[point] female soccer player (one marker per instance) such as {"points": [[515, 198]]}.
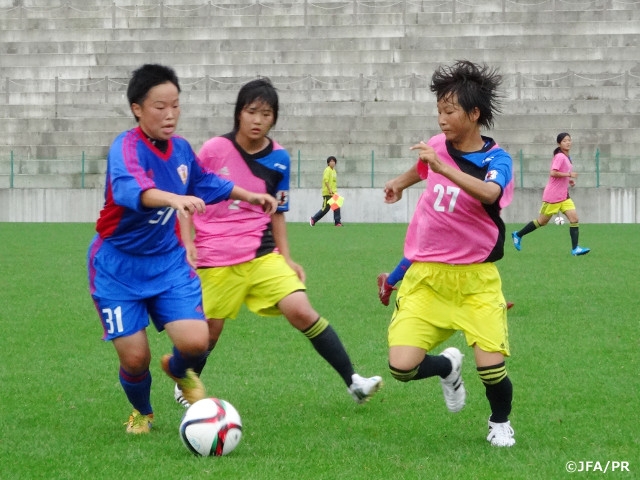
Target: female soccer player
{"points": [[136, 264], [453, 240], [243, 256], [555, 197]]}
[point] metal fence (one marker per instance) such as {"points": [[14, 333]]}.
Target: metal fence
{"points": [[372, 171]]}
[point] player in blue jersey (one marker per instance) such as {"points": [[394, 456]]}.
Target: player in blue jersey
{"points": [[136, 264]]}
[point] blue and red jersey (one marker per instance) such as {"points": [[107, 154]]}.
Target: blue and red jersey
{"points": [[134, 165]]}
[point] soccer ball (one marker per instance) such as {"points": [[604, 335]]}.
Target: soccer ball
{"points": [[211, 427], [559, 220]]}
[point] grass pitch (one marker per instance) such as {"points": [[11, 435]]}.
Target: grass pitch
{"points": [[575, 367]]}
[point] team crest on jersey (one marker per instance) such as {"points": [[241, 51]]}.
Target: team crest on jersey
{"points": [[282, 196], [183, 172], [491, 175], [223, 172]]}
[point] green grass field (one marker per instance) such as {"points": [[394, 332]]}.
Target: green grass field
{"points": [[575, 367]]}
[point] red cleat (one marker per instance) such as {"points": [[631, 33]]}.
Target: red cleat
{"points": [[509, 305], [384, 289]]}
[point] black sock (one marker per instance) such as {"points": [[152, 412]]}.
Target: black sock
{"points": [[431, 366], [574, 231], [327, 343], [499, 391], [528, 228], [202, 361]]}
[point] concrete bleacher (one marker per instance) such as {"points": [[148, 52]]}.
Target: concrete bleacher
{"points": [[353, 76]]}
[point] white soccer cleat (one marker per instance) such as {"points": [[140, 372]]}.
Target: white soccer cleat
{"points": [[362, 389], [452, 385], [177, 394], [501, 434]]}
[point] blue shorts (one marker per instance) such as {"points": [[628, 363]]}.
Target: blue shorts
{"points": [[127, 289]]}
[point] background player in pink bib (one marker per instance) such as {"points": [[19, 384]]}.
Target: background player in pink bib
{"points": [[556, 198]]}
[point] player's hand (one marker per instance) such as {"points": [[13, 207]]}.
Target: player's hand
{"points": [[428, 155], [269, 204], [298, 269], [188, 205], [572, 183], [392, 192], [192, 254]]}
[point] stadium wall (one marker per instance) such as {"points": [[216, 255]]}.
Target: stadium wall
{"points": [[362, 205]]}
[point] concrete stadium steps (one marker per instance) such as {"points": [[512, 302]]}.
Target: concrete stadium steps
{"points": [[353, 57], [368, 127], [95, 43], [554, 69], [300, 32], [278, 14], [349, 83]]}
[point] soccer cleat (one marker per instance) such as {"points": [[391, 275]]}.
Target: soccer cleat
{"points": [[177, 394], [452, 385], [312, 222], [501, 434], [338, 224], [139, 423], [510, 305], [580, 251], [384, 289], [516, 241], [362, 389], [192, 387]]}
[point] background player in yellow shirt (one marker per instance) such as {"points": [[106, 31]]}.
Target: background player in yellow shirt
{"points": [[329, 188]]}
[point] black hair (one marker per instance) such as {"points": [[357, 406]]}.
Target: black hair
{"points": [[559, 138], [474, 85], [260, 89], [145, 78], [331, 158]]}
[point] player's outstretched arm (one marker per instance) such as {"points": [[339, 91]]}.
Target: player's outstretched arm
{"points": [[269, 204], [183, 204], [393, 188]]}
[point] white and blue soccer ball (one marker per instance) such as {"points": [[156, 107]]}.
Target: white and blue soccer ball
{"points": [[211, 427], [559, 220]]}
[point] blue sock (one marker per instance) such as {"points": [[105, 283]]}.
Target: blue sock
{"points": [[399, 272], [180, 362], [138, 390]]}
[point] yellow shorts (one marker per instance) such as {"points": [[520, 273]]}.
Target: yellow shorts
{"points": [[260, 283], [435, 300], [550, 209]]}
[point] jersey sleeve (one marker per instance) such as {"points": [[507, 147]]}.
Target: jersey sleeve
{"points": [[126, 174], [500, 171], [205, 184], [283, 164]]}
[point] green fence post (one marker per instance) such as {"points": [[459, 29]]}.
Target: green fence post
{"points": [[597, 167], [298, 168], [521, 168], [82, 177], [11, 174], [372, 167]]}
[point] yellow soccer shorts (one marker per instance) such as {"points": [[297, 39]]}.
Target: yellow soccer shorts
{"points": [[436, 300], [550, 209], [260, 284]]}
